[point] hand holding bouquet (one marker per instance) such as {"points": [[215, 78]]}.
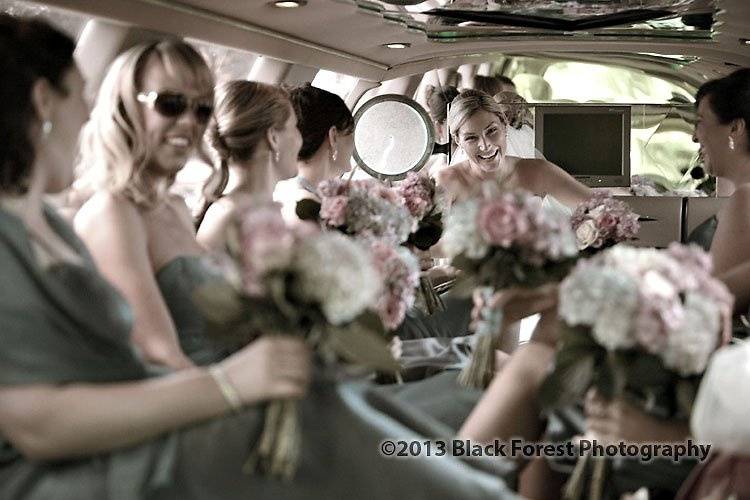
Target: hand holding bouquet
{"points": [[296, 281], [638, 324], [499, 240]]}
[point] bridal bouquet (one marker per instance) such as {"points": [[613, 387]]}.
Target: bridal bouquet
{"points": [[362, 208], [426, 205], [399, 272], [502, 239], [641, 324], [296, 281], [601, 221]]}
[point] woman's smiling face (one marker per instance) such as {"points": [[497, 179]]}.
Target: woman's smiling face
{"points": [[482, 137]]}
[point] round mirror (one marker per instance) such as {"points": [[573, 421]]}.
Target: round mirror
{"points": [[393, 135]]}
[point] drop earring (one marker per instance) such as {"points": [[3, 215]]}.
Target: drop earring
{"points": [[731, 143], [334, 154], [276, 156], [46, 128]]}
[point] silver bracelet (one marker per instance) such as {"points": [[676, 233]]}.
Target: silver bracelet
{"points": [[231, 396]]}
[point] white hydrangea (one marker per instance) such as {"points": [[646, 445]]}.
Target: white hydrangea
{"points": [[337, 272], [604, 298], [690, 346], [461, 234]]}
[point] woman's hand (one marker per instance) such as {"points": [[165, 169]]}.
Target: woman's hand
{"points": [[272, 367], [617, 420], [517, 303]]}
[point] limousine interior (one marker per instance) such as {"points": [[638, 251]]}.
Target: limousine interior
{"points": [[648, 55], [611, 83]]}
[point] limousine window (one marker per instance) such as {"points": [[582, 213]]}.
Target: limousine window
{"points": [[336, 83]]}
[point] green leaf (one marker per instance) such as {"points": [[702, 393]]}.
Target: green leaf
{"points": [[308, 209], [568, 382], [363, 347]]}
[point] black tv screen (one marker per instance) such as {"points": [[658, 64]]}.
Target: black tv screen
{"points": [[592, 143]]}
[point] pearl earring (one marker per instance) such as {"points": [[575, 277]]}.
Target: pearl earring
{"points": [[334, 154], [46, 128], [276, 156], [731, 143]]}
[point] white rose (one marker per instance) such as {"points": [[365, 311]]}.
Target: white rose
{"points": [[586, 234]]}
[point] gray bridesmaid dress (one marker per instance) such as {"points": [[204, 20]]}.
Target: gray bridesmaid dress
{"points": [[65, 324]]}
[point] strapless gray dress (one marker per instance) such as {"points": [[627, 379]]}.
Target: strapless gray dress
{"points": [[66, 324], [178, 280]]}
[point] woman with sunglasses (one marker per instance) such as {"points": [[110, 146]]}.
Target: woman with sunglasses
{"points": [[150, 117], [256, 137], [327, 129]]}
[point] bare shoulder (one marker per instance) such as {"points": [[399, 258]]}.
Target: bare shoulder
{"points": [[107, 211], [532, 172], [212, 231], [452, 172], [737, 206], [180, 206]]}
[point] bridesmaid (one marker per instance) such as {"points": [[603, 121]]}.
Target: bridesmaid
{"points": [[256, 136], [149, 119], [327, 129]]}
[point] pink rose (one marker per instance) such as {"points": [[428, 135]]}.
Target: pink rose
{"points": [[501, 223], [333, 210]]}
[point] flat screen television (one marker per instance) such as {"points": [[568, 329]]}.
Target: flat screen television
{"points": [[589, 141]]}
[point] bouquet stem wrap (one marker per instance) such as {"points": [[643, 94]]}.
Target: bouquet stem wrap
{"points": [[278, 451], [427, 299], [481, 368]]}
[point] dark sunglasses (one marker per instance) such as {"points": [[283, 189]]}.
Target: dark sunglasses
{"points": [[172, 105]]}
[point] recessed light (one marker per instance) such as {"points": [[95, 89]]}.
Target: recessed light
{"points": [[745, 41], [289, 4], [397, 45]]}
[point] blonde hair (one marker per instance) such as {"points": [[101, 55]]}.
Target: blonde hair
{"points": [[467, 104], [114, 153], [244, 113]]}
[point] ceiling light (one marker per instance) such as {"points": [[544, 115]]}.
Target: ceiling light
{"points": [[397, 45], [289, 4], [745, 41]]}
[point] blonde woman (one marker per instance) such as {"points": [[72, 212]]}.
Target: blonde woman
{"points": [[256, 137], [149, 119], [478, 125]]}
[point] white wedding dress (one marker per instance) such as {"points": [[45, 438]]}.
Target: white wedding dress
{"points": [[720, 411]]}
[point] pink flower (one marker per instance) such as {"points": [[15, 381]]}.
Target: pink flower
{"points": [[400, 272], [266, 244], [333, 210], [333, 187], [419, 193], [614, 220], [501, 223]]}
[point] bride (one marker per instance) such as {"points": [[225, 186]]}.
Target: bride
{"points": [[478, 126]]}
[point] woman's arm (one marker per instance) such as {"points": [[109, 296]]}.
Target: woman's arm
{"points": [[617, 420], [737, 279], [731, 243], [543, 177], [47, 422], [116, 236]]}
